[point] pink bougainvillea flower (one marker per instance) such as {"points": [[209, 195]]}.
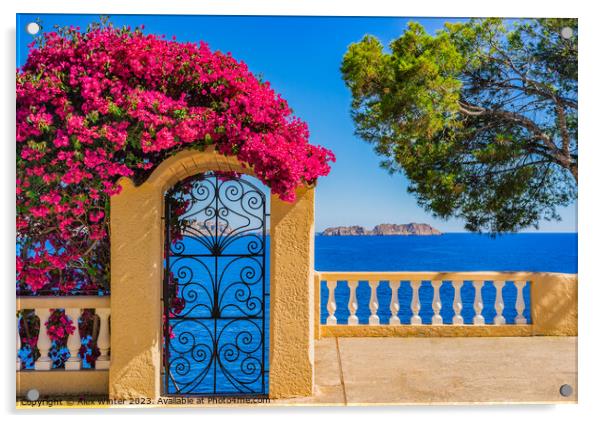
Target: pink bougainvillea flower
{"points": [[96, 217]]}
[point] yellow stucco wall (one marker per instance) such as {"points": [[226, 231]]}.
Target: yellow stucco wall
{"points": [[49, 383], [136, 281], [136, 269], [292, 296], [554, 304]]}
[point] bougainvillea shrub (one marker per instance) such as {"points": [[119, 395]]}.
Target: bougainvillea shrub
{"points": [[97, 105]]}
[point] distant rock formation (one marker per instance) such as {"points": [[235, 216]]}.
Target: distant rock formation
{"points": [[345, 231], [383, 229], [208, 227]]}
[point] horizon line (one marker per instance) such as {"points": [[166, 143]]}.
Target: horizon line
{"points": [[477, 233]]}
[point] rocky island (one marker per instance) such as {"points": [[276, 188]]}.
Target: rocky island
{"points": [[383, 229]]}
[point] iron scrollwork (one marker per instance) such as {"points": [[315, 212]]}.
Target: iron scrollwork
{"points": [[214, 287]]}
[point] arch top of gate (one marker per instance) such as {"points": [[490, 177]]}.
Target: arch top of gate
{"points": [[219, 211], [188, 163]]}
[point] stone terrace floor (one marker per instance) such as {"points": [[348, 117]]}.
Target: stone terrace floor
{"points": [[422, 371], [355, 371]]}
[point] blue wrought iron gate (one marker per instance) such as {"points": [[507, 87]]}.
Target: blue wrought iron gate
{"points": [[214, 288]]}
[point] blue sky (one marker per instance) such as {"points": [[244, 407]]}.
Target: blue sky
{"points": [[300, 56]]}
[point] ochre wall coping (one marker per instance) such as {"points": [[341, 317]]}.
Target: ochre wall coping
{"points": [[442, 276], [83, 301], [192, 162]]}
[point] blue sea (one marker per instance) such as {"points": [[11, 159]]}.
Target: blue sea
{"points": [[448, 252], [534, 252]]}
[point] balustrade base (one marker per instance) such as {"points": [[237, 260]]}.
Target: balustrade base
{"points": [[73, 364], [416, 320], [426, 330], [43, 365], [102, 364]]}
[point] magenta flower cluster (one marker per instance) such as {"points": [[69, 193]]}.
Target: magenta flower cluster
{"points": [[59, 326], [106, 103]]}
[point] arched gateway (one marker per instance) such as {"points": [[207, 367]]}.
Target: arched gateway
{"points": [[189, 276], [215, 281]]}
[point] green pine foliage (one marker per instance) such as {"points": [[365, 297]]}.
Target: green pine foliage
{"points": [[481, 117]]}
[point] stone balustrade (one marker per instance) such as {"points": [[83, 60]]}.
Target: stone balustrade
{"points": [[478, 303], [73, 308]]}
